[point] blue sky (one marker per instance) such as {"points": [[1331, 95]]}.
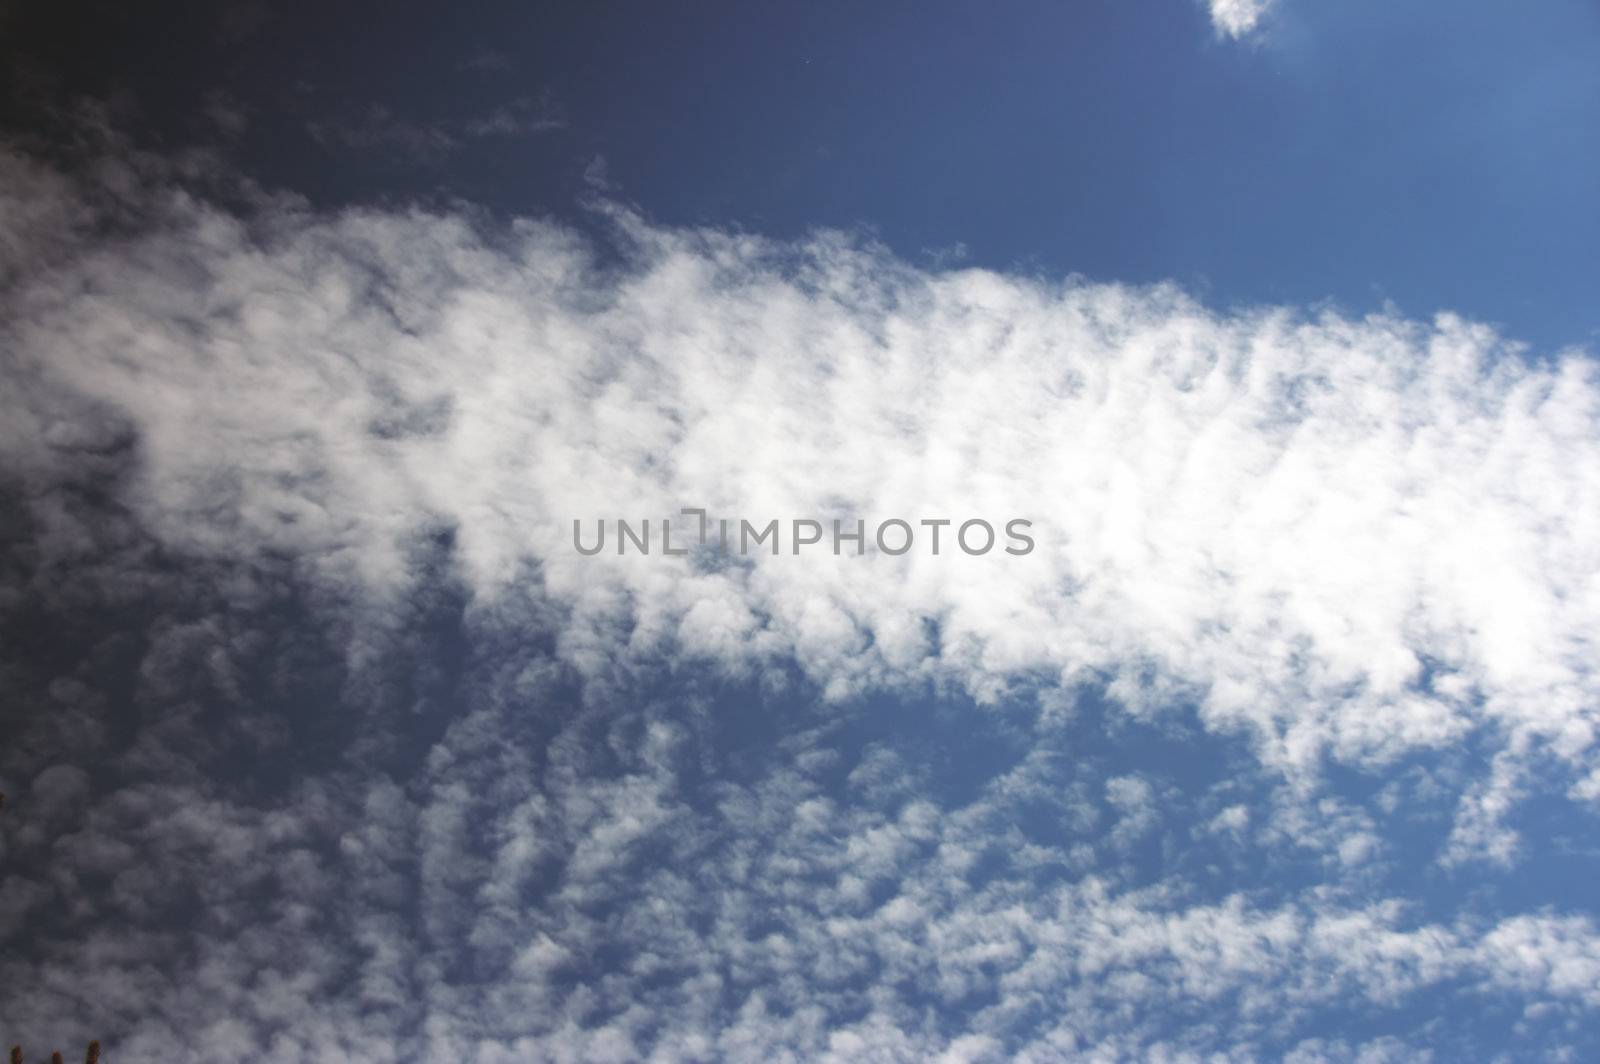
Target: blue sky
{"points": [[1353, 152], [320, 331]]}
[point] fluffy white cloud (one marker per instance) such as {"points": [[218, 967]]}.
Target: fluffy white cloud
{"points": [[1238, 18], [1349, 537], [279, 440], [593, 911]]}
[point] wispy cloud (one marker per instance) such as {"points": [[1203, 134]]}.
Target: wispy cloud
{"points": [[1238, 18], [377, 128], [355, 755], [1354, 537]]}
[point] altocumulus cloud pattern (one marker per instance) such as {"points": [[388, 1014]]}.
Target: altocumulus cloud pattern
{"points": [[324, 743]]}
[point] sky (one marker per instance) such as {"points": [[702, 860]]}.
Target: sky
{"points": [[324, 333]]}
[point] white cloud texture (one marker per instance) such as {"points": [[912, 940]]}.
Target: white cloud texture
{"points": [[1238, 18], [1343, 541], [1352, 537]]}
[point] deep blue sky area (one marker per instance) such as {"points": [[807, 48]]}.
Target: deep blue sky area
{"points": [[1358, 152]]}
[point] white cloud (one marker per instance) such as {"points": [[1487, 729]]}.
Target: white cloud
{"points": [[1238, 18], [1330, 538], [1350, 537], [542, 930]]}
